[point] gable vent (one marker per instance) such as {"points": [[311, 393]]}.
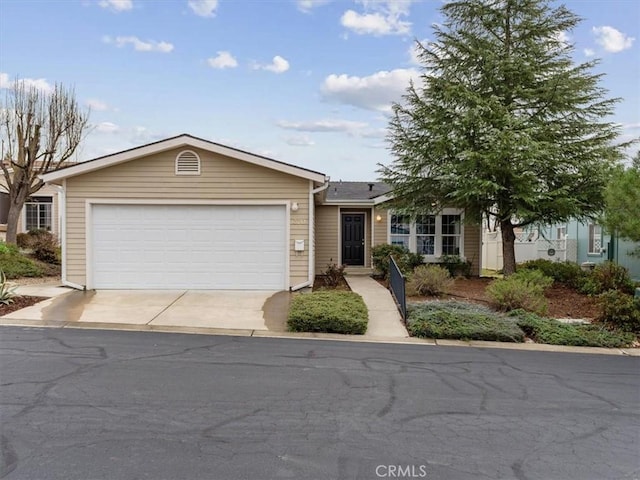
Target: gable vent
{"points": [[187, 163]]}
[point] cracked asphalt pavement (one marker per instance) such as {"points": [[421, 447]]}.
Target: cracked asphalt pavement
{"points": [[89, 404]]}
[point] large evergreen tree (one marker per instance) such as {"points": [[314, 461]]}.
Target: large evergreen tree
{"points": [[503, 123]]}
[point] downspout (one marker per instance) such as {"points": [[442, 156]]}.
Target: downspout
{"points": [[312, 250]]}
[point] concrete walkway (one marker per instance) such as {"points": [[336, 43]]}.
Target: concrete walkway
{"points": [[384, 318]]}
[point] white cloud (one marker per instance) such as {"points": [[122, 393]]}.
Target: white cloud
{"points": [[307, 5], [277, 65], [300, 141], [381, 17], [374, 92], [139, 45], [116, 5], [38, 83], [589, 52], [223, 60], [96, 105], [611, 39], [107, 127], [204, 8], [323, 126]]}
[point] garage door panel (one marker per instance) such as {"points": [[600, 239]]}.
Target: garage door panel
{"points": [[189, 246]]}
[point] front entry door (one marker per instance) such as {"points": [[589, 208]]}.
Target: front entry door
{"points": [[353, 239]]}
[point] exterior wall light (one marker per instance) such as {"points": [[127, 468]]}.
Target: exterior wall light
{"points": [[294, 206]]}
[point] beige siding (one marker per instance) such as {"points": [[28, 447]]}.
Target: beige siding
{"points": [[153, 178], [327, 234], [380, 227], [472, 247]]}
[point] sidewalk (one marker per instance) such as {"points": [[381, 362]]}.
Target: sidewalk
{"points": [[384, 318]]}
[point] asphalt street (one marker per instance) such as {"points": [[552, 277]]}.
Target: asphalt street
{"points": [[89, 404]]}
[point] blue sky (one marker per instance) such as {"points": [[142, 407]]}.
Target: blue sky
{"points": [[308, 82]]}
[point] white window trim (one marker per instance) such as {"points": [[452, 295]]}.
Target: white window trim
{"points": [[24, 214], [182, 152], [413, 243]]}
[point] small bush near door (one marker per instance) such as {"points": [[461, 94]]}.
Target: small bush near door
{"points": [[430, 280], [405, 259], [328, 312]]}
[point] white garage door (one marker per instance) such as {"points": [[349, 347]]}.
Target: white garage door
{"points": [[188, 247]]}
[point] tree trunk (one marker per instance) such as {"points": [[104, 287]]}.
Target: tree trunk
{"points": [[508, 248], [16, 204]]}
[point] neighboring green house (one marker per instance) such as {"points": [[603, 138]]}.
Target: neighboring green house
{"points": [[595, 245], [583, 243]]}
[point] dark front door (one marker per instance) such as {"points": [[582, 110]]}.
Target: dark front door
{"points": [[353, 238]]}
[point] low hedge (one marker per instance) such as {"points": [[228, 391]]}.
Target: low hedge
{"points": [[461, 321], [328, 312], [553, 332], [16, 265]]}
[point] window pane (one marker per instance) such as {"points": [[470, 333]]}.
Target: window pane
{"points": [[451, 245], [402, 240], [451, 224], [595, 239], [31, 216], [400, 224], [426, 244], [426, 225], [45, 216]]}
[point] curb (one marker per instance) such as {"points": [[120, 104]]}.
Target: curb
{"points": [[531, 347]]}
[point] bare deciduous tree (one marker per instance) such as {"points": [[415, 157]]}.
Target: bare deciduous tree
{"points": [[40, 131]]}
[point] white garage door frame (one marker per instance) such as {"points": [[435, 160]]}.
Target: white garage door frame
{"points": [[90, 202]]}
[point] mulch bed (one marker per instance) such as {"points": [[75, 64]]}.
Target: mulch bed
{"points": [[18, 303], [321, 283], [563, 301]]}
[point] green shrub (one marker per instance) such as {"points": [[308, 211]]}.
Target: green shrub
{"points": [[8, 248], [567, 273], [329, 312], [333, 275], [429, 280], [456, 265], [553, 332], [512, 293], [406, 260], [607, 276], [534, 277], [619, 310], [16, 265], [7, 292], [463, 321]]}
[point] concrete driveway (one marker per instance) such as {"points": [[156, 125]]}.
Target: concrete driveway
{"points": [[244, 310]]}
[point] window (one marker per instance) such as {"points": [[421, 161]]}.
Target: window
{"points": [[429, 235], [426, 234], [400, 230], [38, 213], [561, 232], [450, 234], [187, 163], [595, 239]]}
